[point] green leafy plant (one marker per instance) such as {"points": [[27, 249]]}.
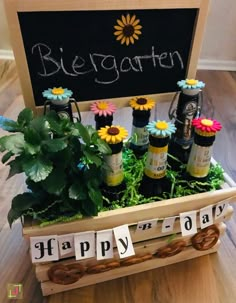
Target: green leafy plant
{"points": [[62, 162]]}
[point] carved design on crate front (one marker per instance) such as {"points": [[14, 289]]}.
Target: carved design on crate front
{"points": [[95, 269], [66, 274], [171, 249], [69, 274], [206, 238], [135, 260]]}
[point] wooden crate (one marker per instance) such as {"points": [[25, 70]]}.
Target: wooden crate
{"points": [[146, 243]]}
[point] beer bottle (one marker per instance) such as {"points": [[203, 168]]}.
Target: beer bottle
{"points": [[103, 112], [114, 184], [141, 113], [200, 156], [155, 182], [59, 99], [188, 108]]}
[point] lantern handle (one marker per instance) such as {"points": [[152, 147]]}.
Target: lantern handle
{"points": [[172, 111], [77, 108], [45, 106], [200, 103]]}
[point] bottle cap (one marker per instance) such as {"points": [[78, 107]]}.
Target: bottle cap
{"points": [[103, 108], [113, 134], [142, 103], [161, 128], [58, 95], [206, 127]]}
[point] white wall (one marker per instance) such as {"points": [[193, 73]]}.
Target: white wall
{"points": [[4, 35], [220, 36]]}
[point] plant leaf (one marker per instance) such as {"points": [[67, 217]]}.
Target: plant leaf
{"points": [[89, 208], [91, 130], [8, 124], [95, 196], [55, 182], [77, 191], [15, 167], [103, 147], [41, 126], [83, 132], [6, 157], [55, 145], [21, 203], [92, 157], [32, 149], [13, 143], [38, 169], [25, 116], [13, 215], [32, 136]]}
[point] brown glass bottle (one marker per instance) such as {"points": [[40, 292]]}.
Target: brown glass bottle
{"points": [[141, 113], [102, 121], [154, 181], [140, 141], [180, 144], [201, 152], [114, 184]]}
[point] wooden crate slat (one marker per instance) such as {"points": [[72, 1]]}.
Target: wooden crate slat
{"points": [[141, 248], [130, 215], [49, 288], [156, 232]]}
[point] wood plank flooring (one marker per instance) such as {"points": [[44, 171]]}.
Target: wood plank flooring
{"points": [[209, 279]]}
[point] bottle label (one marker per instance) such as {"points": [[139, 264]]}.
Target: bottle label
{"points": [[140, 136], [156, 162], [114, 173], [189, 112], [199, 161]]}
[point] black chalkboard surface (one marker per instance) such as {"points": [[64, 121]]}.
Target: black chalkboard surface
{"points": [[78, 50]]}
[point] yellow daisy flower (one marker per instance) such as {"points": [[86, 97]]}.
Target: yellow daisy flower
{"points": [[127, 29], [112, 134], [142, 103]]}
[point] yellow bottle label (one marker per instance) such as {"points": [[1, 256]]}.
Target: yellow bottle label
{"points": [[114, 173], [156, 162], [199, 161], [140, 136]]}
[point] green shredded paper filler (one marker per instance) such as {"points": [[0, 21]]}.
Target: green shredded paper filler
{"points": [[133, 171]]}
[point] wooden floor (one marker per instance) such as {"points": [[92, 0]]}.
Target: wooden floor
{"points": [[209, 279]]}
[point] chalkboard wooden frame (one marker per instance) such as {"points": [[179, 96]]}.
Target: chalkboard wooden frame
{"points": [[13, 7]]}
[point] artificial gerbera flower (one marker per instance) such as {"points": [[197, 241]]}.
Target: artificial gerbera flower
{"points": [[113, 134], [190, 84], [206, 127], [161, 128], [142, 103], [57, 93], [103, 108], [128, 29]]}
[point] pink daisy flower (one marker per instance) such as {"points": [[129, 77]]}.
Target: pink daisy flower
{"points": [[103, 108], [206, 126]]}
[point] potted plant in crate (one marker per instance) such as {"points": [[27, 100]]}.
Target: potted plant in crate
{"points": [[62, 162]]}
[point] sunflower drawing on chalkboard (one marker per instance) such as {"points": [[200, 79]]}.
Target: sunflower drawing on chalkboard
{"points": [[127, 29]]}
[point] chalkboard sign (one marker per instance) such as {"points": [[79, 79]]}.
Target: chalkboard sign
{"points": [[106, 53]]}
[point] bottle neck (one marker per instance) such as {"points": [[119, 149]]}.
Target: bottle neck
{"points": [[102, 121], [141, 117], [158, 142], [203, 141], [116, 148]]}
